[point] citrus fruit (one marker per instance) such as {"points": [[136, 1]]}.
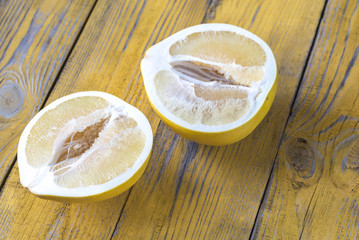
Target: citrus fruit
{"points": [[211, 83], [87, 146]]}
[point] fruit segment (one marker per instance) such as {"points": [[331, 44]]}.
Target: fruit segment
{"points": [[220, 56], [116, 144], [199, 103], [221, 46], [42, 136]]}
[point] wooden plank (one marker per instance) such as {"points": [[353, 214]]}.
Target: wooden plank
{"points": [[191, 191], [313, 191], [35, 39], [106, 57]]}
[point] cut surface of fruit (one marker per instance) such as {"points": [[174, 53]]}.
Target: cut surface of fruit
{"points": [[87, 146], [211, 83]]}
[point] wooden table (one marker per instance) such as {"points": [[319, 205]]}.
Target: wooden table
{"points": [[295, 177]]}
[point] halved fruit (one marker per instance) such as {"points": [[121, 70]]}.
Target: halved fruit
{"points": [[87, 146], [211, 83]]}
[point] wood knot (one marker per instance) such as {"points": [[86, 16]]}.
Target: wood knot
{"points": [[11, 99], [303, 161], [211, 11], [352, 159], [300, 157], [345, 164]]}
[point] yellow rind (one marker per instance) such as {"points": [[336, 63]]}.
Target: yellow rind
{"points": [[104, 195], [226, 137]]}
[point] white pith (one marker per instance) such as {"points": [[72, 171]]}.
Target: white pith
{"points": [[46, 184], [158, 58]]}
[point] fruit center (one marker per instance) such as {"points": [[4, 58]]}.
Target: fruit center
{"points": [[95, 153], [191, 71], [80, 142]]}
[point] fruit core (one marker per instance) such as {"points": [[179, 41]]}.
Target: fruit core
{"points": [[76, 144], [193, 71]]}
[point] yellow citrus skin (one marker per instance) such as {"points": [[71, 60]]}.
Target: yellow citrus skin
{"points": [[102, 196], [226, 137]]}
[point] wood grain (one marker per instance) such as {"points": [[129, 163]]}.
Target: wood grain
{"points": [[313, 192], [106, 57], [35, 39], [191, 191]]}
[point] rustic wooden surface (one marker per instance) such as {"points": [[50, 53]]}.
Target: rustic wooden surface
{"points": [[313, 190], [295, 176]]}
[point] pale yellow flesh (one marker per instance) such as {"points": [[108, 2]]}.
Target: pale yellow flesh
{"points": [[214, 88], [198, 104], [84, 141], [223, 46]]}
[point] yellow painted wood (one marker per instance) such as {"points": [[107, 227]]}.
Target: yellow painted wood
{"points": [[191, 191], [35, 39], [106, 58], [314, 190]]}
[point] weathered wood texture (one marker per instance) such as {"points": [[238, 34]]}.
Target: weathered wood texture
{"points": [[35, 39], [194, 191], [313, 192], [106, 57], [191, 191]]}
